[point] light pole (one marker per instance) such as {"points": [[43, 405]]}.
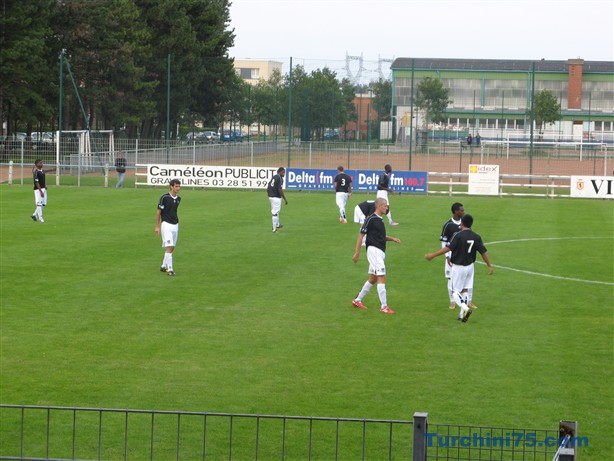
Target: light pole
{"points": [[369, 115]]}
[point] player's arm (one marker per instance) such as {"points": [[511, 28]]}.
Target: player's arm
{"points": [[442, 251], [393, 239], [281, 192], [359, 240], [158, 215], [487, 261]]}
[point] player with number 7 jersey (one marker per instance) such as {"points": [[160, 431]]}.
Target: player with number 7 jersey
{"points": [[464, 245]]}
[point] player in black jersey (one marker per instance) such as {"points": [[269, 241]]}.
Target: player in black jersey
{"points": [[451, 227], [275, 192], [167, 224], [464, 245], [40, 190], [383, 188], [343, 189], [373, 232]]}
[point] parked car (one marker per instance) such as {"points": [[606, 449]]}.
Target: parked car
{"points": [[43, 139], [233, 136], [330, 134], [210, 136]]}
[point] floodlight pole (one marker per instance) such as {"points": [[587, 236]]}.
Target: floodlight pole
{"points": [[411, 111], [60, 110], [168, 105], [532, 121], [290, 113]]}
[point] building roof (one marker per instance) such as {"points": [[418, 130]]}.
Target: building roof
{"points": [[499, 65]]}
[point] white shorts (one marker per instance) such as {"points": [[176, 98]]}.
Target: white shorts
{"points": [[359, 216], [342, 199], [446, 267], [38, 200], [275, 205], [376, 258], [383, 194], [461, 277], [169, 234]]}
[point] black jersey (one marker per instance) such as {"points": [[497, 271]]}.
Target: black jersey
{"points": [[275, 185], [39, 178], [342, 182], [464, 246], [384, 182], [376, 232], [367, 207], [168, 206], [450, 228]]}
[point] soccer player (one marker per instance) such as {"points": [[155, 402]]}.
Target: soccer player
{"points": [[276, 193], [40, 190], [120, 168], [464, 246], [343, 189], [167, 224], [451, 227], [383, 187], [364, 209], [374, 233]]}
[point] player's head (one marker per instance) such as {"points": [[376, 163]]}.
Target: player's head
{"points": [[39, 163], [458, 210], [467, 221], [340, 169], [381, 206], [388, 169], [281, 171], [174, 183]]}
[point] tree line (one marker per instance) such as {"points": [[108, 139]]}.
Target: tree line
{"points": [[136, 66]]}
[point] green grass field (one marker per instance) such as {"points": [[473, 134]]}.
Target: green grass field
{"points": [[262, 323]]}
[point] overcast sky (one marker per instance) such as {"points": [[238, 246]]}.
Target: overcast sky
{"points": [[319, 33]]}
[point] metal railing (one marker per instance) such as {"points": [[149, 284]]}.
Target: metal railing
{"points": [[69, 433]]}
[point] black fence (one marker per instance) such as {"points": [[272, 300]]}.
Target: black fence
{"points": [[69, 433]]}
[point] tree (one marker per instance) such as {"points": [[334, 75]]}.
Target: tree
{"points": [[432, 99], [547, 109], [25, 77], [382, 102]]}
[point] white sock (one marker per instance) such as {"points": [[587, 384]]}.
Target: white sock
{"points": [[275, 221], [389, 217], [458, 299], [381, 291], [363, 292], [168, 261], [469, 295], [450, 292]]}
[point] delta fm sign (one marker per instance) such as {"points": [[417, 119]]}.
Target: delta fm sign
{"points": [[362, 180]]}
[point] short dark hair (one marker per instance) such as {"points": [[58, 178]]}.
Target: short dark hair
{"points": [[38, 160], [175, 181], [456, 206], [387, 168], [339, 168], [467, 220], [280, 169]]}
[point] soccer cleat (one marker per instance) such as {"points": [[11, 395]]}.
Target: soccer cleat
{"points": [[41, 220], [280, 226], [394, 223], [345, 221], [340, 219], [171, 273], [452, 305], [34, 218], [466, 317], [386, 310], [472, 306], [358, 304], [163, 269]]}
